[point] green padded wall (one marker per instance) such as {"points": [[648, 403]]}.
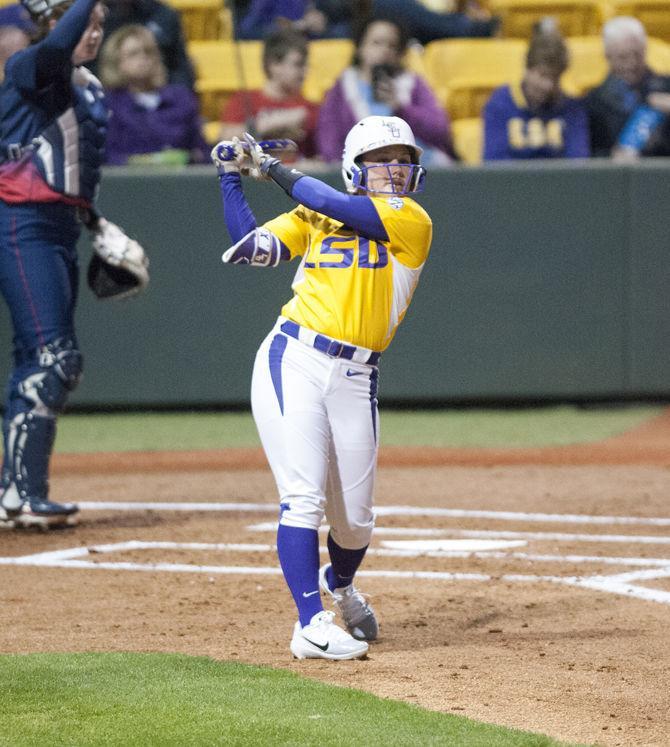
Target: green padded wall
{"points": [[545, 281]]}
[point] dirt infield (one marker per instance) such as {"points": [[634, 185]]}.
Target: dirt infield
{"points": [[562, 626]]}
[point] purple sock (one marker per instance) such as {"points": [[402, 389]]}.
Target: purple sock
{"points": [[298, 551], [344, 564]]}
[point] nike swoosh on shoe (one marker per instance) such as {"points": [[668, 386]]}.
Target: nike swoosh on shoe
{"points": [[323, 647]]}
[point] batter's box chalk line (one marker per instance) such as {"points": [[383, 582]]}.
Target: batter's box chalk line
{"points": [[481, 544]]}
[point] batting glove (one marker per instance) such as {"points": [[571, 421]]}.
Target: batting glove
{"points": [[261, 160], [228, 156]]}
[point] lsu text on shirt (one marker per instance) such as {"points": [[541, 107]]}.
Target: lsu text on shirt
{"points": [[349, 287]]}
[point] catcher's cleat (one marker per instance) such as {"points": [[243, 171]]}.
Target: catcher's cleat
{"points": [[45, 514], [322, 639], [358, 615]]}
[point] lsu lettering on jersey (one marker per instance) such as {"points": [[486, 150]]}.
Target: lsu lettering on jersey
{"points": [[347, 286]]}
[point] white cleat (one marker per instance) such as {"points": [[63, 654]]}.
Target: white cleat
{"points": [[322, 639], [358, 615]]}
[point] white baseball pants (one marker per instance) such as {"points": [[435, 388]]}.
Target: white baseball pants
{"points": [[318, 422]]}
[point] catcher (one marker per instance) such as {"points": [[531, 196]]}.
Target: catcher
{"points": [[314, 386], [52, 133]]}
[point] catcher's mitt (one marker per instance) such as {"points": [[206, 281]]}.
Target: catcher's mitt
{"points": [[119, 267]]}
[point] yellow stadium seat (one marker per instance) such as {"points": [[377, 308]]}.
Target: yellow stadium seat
{"points": [[468, 137], [574, 17], [653, 14], [588, 66], [658, 55], [223, 67], [415, 60], [326, 59], [210, 131], [464, 72], [201, 19]]}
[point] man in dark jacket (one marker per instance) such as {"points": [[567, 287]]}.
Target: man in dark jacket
{"points": [[627, 111]]}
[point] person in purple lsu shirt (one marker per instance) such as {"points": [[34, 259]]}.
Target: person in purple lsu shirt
{"points": [[534, 118]]}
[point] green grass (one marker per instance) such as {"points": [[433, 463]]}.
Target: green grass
{"points": [[546, 426], [154, 699]]}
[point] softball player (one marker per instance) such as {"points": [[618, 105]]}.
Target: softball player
{"points": [[52, 128], [314, 386]]}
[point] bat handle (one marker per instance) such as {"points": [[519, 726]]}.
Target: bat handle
{"points": [[225, 151]]}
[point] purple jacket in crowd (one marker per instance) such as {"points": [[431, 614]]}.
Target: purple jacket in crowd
{"points": [[347, 102], [133, 129]]}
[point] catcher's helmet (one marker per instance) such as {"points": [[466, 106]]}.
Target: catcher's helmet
{"points": [[375, 132], [42, 8]]}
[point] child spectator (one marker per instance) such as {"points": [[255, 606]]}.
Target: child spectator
{"points": [[376, 83], [279, 109], [535, 119], [147, 115], [627, 111]]}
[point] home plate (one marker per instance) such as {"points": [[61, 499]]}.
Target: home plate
{"points": [[443, 545]]}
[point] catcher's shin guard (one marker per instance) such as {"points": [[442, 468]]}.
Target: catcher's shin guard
{"points": [[24, 500], [29, 431]]}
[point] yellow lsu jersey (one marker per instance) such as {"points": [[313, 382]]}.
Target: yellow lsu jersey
{"points": [[350, 287]]}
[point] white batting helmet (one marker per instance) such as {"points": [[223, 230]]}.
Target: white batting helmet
{"points": [[375, 132]]}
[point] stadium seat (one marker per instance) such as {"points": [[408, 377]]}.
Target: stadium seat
{"points": [[327, 58], [210, 131], [223, 67], [654, 14], [468, 135], [588, 66], [575, 17], [464, 72], [202, 19]]}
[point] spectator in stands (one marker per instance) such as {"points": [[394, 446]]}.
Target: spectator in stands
{"points": [[12, 39], [468, 19], [377, 83], [628, 111], [339, 18], [535, 119], [278, 110], [164, 23], [258, 18], [151, 121]]}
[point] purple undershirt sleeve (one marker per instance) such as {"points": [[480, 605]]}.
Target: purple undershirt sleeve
{"points": [[239, 218]]}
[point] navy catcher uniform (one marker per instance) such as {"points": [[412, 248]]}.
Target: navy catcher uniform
{"points": [[314, 385], [52, 129]]}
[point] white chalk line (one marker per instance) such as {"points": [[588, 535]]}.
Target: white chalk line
{"points": [[495, 534], [454, 513], [618, 583]]}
